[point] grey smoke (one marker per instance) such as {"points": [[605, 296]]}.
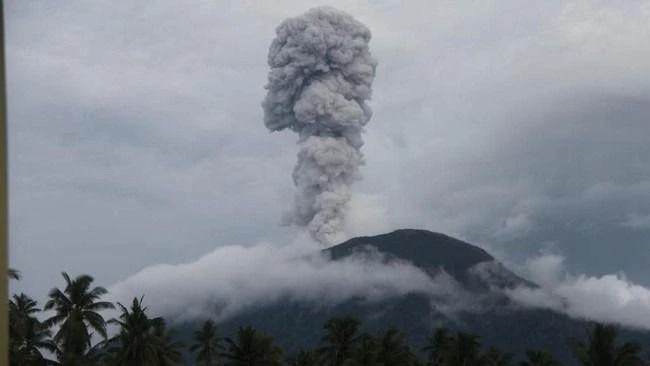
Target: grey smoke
{"points": [[321, 72]]}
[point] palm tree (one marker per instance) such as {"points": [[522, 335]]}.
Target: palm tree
{"points": [[252, 348], [463, 349], [494, 357], [77, 310], [436, 347], [601, 349], [339, 340], [13, 274], [304, 358], [21, 308], [393, 350], [27, 335], [102, 354], [207, 343], [364, 353], [138, 342], [539, 358], [170, 352], [27, 350]]}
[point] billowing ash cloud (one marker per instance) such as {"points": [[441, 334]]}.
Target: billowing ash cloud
{"points": [[319, 82]]}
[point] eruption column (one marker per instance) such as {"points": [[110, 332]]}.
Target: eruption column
{"points": [[320, 78]]}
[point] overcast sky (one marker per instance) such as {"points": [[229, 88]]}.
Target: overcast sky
{"points": [[136, 133]]}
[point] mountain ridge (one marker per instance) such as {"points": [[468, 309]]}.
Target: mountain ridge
{"points": [[433, 253]]}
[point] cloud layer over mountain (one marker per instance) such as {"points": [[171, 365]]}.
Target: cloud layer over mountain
{"points": [[235, 278], [610, 298]]}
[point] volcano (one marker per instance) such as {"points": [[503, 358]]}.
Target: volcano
{"points": [[478, 305]]}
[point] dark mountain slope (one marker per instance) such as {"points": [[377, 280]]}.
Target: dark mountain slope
{"points": [[423, 248], [433, 252]]}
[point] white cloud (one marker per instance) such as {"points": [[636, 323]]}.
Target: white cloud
{"points": [[546, 269], [610, 298], [232, 278]]}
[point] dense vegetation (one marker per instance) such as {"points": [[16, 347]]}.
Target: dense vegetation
{"points": [[75, 334]]}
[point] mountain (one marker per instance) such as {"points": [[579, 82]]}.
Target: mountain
{"points": [[423, 248], [480, 307], [433, 252]]}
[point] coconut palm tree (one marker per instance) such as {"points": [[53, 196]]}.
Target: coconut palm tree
{"points": [[102, 354], [21, 308], [13, 274], [436, 347], [463, 349], [393, 350], [364, 353], [539, 358], [251, 348], [27, 335], [601, 348], [76, 310], [207, 344], [494, 357], [339, 340], [304, 358], [141, 341], [169, 352], [27, 349]]}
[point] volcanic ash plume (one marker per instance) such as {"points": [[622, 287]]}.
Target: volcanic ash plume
{"points": [[320, 79]]}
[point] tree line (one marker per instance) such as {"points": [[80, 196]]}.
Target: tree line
{"points": [[76, 335]]}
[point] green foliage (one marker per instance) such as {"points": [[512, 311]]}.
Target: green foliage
{"points": [[393, 350], [463, 349], [601, 349], [339, 340], [207, 344], [169, 351], [142, 340], [28, 336], [539, 358], [494, 357], [304, 358], [76, 311], [13, 274], [436, 347], [252, 348], [364, 353]]}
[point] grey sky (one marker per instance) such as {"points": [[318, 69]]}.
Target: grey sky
{"points": [[136, 133]]}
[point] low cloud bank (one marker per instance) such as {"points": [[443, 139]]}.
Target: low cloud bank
{"points": [[610, 298], [233, 278]]}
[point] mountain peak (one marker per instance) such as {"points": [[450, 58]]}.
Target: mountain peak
{"points": [[425, 249]]}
